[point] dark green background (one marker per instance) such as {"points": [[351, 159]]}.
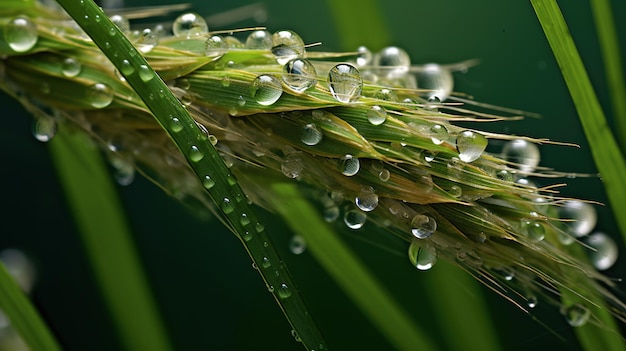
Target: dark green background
{"points": [[209, 295]]}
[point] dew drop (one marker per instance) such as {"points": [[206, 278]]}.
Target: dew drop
{"points": [[423, 226], [127, 69], [146, 40], [455, 191], [208, 182], [299, 75], [100, 95], [297, 245], [284, 291], [532, 301], [21, 34], [504, 175], [605, 251], [227, 206], [345, 83], [121, 22], [535, 230], [70, 67], [244, 219], [349, 165], [44, 129], [422, 257], [259, 227], [311, 135], [287, 45], [436, 80], [215, 47], [364, 56], [384, 175], [189, 25], [377, 115], [266, 89], [366, 200], [524, 154], [438, 134], [145, 74], [576, 315], [395, 60], [292, 166], [259, 40], [266, 263], [176, 125], [195, 154], [470, 145], [354, 219], [579, 217], [331, 213], [505, 272]]}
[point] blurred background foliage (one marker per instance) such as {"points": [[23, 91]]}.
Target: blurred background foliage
{"points": [[202, 280]]}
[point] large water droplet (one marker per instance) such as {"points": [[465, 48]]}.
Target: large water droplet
{"points": [[299, 75], [436, 80], [394, 60], [470, 145], [605, 251], [345, 82], [227, 206], [189, 25], [423, 226], [354, 219], [176, 125], [215, 47], [297, 245], [438, 134], [70, 67], [576, 315], [525, 154], [579, 217], [311, 135], [259, 40], [287, 45], [377, 115], [266, 89], [145, 73], [423, 257], [100, 95], [195, 154], [349, 165], [208, 182], [44, 129], [21, 34], [366, 200]]}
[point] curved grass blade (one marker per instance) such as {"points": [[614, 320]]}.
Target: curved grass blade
{"points": [[220, 184]]}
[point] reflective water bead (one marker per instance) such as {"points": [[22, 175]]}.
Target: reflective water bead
{"points": [[145, 73], [604, 251], [535, 230], [292, 166], [195, 154], [354, 219], [44, 129], [438, 134], [100, 95], [504, 175], [436, 80], [422, 257], [576, 315], [345, 82], [297, 245], [266, 89], [423, 226], [311, 135], [70, 67], [266, 263], [331, 213], [299, 75], [386, 95], [284, 291], [21, 34], [377, 115], [532, 301], [470, 145], [189, 25], [579, 217], [145, 40], [244, 220], [208, 182], [349, 165], [121, 22], [395, 59], [384, 175], [176, 125], [287, 45], [366, 200], [455, 191], [215, 47], [364, 56], [259, 40], [524, 154], [227, 206]]}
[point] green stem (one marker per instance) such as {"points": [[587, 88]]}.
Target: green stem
{"points": [[221, 185]]}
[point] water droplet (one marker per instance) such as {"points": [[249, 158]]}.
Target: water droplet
{"points": [[605, 251], [213, 139], [189, 25], [331, 213], [124, 169], [176, 125], [364, 56], [470, 145], [296, 337], [215, 46], [44, 129], [227, 206], [576, 315], [532, 301], [266, 89], [311, 135], [376, 115], [145, 73], [436, 80], [208, 182], [455, 191], [195, 154], [345, 83], [524, 154], [349, 165], [100, 95], [259, 40], [121, 22], [284, 291], [384, 175], [354, 219], [438, 134], [244, 220], [504, 175], [579, 217], [287, 45], [127, 69], [366, 200], [505, 272], [259, 227], [292, 166], [145, 40], [428, 156], [422, 257], [297, 245], [71, 67], [394, 60], [21, 34], [535, 230], [299, 75], [423, 226], [266, 263]]}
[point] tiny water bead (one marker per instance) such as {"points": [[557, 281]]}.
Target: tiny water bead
{"points": [[287, 45], [422, 257], [292, 166], [354, 219], [259, 40], [331, 213], [534, 229], [195, 154], [349, 165], [364, 56], [297, 245], [284, 291], [21, 34], [579, 217], [208, 182], [299, 75], [604, 251], [227, 206], [455, 191], [70, 67], [470, 145], [384, 175], [121, 22], [436, 80], [423, 226], [145, 73], [44, 129], [215, 46], [438, 134], [366, 200], [100, 95], [175, 124], [266, 89], [127, 68], [244, 220], [377, 115], [576, 315], [311, 135], [345, 83], [524, 154], [189, 25]]}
